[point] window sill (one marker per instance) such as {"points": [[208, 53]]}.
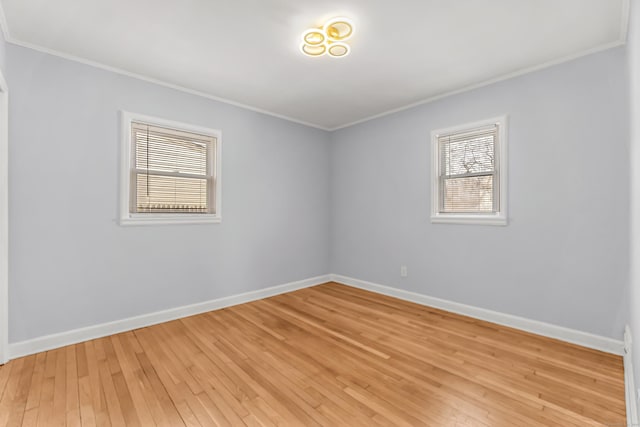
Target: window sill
{"points": [[469, 219], [168, 219]]}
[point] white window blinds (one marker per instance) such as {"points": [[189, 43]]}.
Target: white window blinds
{"points": [[172, 171], [469, 171]]}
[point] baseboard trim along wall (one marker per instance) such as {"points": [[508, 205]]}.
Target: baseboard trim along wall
{"points": [[49, 342], [596, 342], [631, 398]]}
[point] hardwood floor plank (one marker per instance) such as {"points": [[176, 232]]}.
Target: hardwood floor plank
{"points": [[329, 355], [159, 393], [87, 415], [5, 371], [45, 410], [98, 400], [128, 382], [22, 392], [110, 395], [58, 417], [33, 399], [72, 398]]}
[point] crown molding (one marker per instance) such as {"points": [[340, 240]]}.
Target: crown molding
{"points": [[622, 40], [484, 83], [9, 39]]}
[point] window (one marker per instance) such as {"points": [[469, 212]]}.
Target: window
{"points": [[170, 172], [469, 174]]}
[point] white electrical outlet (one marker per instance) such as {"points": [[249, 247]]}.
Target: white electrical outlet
{"points": [[403, 271]]}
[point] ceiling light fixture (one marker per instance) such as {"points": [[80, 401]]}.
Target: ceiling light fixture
{"points": [[313, 37], [330, 39], [313, 50], [338, 49]]}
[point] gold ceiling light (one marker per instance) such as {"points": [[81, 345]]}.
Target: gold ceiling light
{"points": [[314, 37], [314, 50], [338, 29], [338, 49], [329, 39]]}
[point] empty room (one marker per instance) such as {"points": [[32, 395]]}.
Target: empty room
{"points": [[330, 213]]}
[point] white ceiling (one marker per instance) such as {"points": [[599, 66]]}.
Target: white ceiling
{"points": [[247, 51]]}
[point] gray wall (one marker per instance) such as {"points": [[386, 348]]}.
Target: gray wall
{"points": [[294, 195], [633, 51], [3, 53], [562, 259], [71, 265]]}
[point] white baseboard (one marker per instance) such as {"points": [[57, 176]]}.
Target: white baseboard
{"points": [[62, 339], [608, 345], [48, 342], [631, 398]]}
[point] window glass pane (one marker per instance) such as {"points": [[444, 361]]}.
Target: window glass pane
{"points": [[172, 171], [164, 151], [472, 155], [170, 194], [470, 194]]}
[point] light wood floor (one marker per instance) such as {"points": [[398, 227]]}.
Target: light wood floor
{"points": [[328, 355]]}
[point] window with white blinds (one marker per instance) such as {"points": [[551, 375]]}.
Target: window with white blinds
{"points": [[172, 172], [469, 175]]}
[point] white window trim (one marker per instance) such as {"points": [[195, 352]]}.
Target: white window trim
{"points": [[128, 218], [497, 218]]}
